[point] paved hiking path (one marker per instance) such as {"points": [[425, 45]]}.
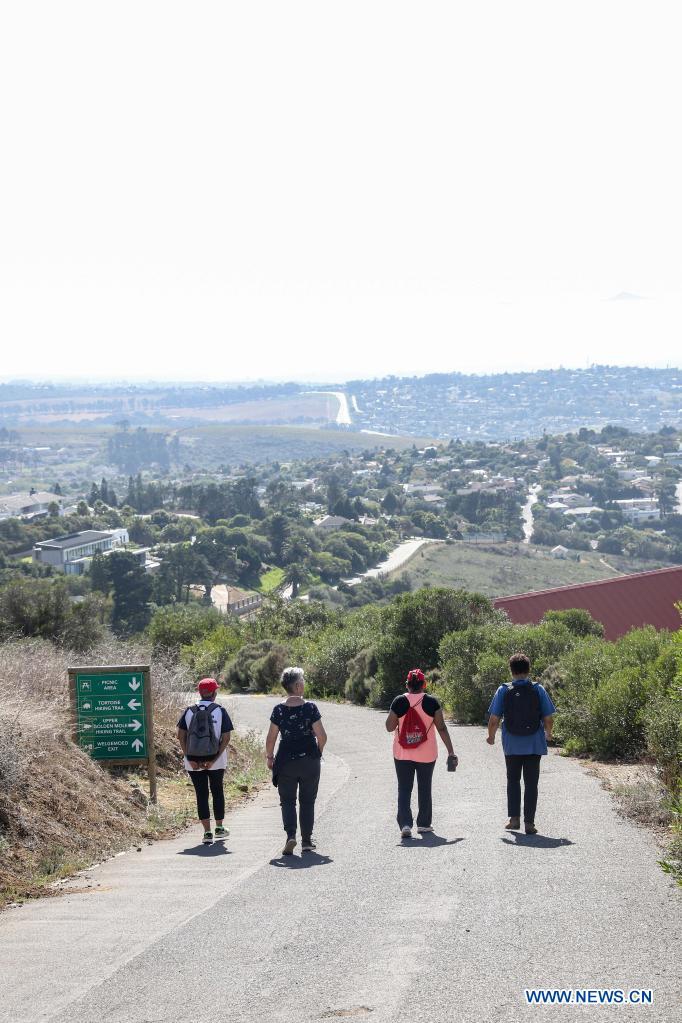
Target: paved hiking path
{"points": [[452, 928]]}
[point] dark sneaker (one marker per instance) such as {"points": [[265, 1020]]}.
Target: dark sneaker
{"points": [[221, 832], [530, 828], [308, 845], [208, 838], [289, 847], [514, 824]]}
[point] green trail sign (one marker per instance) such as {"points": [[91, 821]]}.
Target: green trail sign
{"points": [[112, 715]]}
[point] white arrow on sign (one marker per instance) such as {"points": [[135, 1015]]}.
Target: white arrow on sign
{"points": [[137, 744], [134, 684], [86, 726], [134, 704], [135, 725]]}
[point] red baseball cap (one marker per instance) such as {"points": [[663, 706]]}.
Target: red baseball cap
{"points": [[416, 675], [209, 684]]}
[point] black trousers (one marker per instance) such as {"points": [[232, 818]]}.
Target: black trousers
{"points": [[529, 766], [406, 770], [202, 780], [298, 777]]}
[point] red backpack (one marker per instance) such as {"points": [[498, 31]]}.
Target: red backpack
{"points": [[413, 731]]}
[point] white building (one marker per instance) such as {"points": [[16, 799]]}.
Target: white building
{"points": [[640, 509], [562, 553], [584, 513], [73, 553], [329, 522], [570, 499], [29, 506], [559, 551]]}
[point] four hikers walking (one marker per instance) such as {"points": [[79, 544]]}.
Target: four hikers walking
{"points": [[526, 712], [415, 719], [204, 731]]}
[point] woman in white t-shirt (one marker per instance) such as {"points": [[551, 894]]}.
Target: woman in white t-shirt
{"points": [[207, 772]]}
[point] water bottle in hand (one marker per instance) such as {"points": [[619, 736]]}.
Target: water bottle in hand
{"points": [[452, 762]]}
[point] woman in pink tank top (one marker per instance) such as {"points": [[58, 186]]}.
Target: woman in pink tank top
{"points": [[414, 719]]}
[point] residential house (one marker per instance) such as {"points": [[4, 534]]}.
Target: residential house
{"points": [[640, 509], [29, 506], [73, 553], [330, 522]]}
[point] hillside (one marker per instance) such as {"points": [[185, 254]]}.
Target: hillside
{"points": [[213, 445], [505, 569], [489, 407]]}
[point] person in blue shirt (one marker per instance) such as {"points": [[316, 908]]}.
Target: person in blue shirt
{"points": [[527, 716]]}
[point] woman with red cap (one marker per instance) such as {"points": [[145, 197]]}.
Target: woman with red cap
{"points": [[412, 718], [204, 732]]}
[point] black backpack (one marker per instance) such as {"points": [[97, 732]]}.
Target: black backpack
{"points": [[522, 709], [202, 742]]}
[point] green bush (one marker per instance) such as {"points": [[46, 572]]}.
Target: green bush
{"points": [[327, 666], [266, 671], [257, 667], [615, 725], [474, 662], [576, 620], [663, 732], [379, 696], [328, 657], [602, 690], [361, 671], [180, 625], [210, 654], [414, 625]]}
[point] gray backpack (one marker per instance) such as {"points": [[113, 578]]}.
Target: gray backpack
{"points": [[202, 742]]}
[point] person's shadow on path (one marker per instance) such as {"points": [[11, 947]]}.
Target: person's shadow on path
{"points": [[537, 841], [217, 849], [430, 838], [309, 859]]}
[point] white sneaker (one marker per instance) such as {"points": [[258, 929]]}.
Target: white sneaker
{"points": [[424, 831], [406, 832]]}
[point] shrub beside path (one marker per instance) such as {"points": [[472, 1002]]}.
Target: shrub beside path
{"points": [[452, 928]]}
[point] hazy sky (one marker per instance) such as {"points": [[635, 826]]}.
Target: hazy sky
{"points": [[326, 190]]}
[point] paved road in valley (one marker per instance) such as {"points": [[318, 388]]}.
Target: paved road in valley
{"points": [[449, 928]]}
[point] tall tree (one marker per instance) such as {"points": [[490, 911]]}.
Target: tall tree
{"points": [[132, 590]]}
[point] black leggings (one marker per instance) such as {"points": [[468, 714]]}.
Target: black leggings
{"points": [[302, 777], [201, 781], [530, 766]]}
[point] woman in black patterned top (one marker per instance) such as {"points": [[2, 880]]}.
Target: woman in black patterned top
{"points": [[296, 768]]}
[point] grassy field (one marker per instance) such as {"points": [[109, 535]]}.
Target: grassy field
{"points": [[270, 580], [212, 445], [504, 569], [271, 410]]}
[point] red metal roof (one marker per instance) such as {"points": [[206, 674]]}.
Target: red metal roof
{"points": [[620, 604]]}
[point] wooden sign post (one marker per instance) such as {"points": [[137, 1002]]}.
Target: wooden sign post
{"points": [[112, 715]]}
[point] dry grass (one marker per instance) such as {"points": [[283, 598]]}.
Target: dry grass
{"points": [[60, 810], [639, 794]]}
